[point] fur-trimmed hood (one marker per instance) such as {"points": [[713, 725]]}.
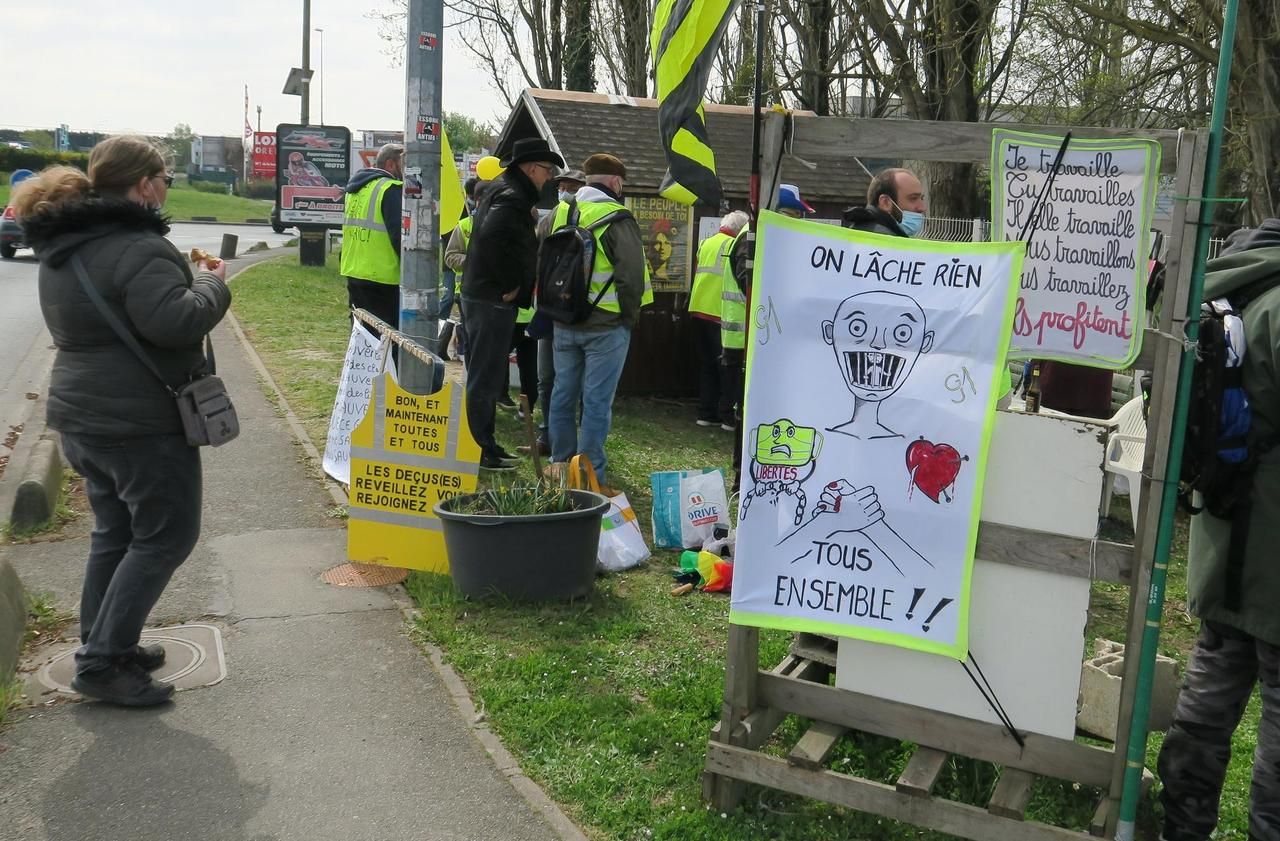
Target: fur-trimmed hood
{"points": [[55, 233]]}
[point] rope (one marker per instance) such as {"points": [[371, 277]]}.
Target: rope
{"points": [[404, 342]]}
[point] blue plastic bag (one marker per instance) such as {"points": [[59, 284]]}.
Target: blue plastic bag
{"points": [[666, 505]]}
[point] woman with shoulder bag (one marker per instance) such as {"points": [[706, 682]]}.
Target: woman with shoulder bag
{"points": [[130, 323]]}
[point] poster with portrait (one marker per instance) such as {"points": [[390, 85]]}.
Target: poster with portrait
{"points": [[1086, 225], [666, 228], [873, 370]]}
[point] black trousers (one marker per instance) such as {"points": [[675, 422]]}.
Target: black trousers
{"points": [[489, 329], [732, 361], [546, 381], [146, 498], [527, 363], [706, 340], [380, 299]]}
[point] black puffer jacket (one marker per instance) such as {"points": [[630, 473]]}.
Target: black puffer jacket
{"points": [[99, 387], [503, 253], [872, 220]]}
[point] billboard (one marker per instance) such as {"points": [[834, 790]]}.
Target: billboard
{"points": [[264, 154], [313, 164]]}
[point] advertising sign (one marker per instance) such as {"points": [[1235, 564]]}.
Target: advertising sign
{"points": [[666, 228], [313, 164], [872, 376], [264, 154], [1084, 278], [409, 452]]}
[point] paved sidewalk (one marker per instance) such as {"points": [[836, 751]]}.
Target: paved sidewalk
{"points": [[330, 724]]}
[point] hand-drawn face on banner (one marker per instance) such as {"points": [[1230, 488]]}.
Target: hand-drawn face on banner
{"points": [[869, 403]]}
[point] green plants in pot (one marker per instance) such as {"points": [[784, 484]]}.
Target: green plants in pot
{"points": [[527, 543]]}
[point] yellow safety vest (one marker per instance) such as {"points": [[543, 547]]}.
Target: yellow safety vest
{"points": [[465, 227], [367, 251], [713, 254], [602, 270], [733, 305]]}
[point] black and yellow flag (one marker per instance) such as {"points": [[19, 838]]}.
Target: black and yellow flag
{"points": [[685, 37]]}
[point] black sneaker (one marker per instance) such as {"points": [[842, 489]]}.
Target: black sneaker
{"points": [[491, 461], [148, 657], [126, 685], [505, 455], [505, 400]]}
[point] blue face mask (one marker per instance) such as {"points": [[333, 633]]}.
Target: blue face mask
{"points": [[911, 223]]}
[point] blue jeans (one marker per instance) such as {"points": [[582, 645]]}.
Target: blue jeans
{"points": [[588, 366], [446, 295]]}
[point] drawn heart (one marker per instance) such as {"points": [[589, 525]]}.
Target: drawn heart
{"points": [[933, 467]]}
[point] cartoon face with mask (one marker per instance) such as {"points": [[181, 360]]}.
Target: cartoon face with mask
{"points": [[785, 456], [877, 338]]}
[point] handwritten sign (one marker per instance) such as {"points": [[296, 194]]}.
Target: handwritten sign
{"points": [[408, 452], [872, 374], [1084, 277], [366, 359]]}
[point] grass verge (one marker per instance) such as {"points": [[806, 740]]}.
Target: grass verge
{"points": [[44, 623], [608, 702], [184, 203]]}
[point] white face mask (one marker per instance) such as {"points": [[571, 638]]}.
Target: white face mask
{"points": [[565, 195]]}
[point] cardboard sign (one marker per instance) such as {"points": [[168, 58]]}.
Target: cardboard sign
{"points": [[1084, 278], [366, 358], [409, 452], [873, 370]]}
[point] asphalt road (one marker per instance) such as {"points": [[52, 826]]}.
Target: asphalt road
{"points": [[25, 346]]}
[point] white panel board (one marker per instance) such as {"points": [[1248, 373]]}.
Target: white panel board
{"points": [[1026, 626], [1045, 473], [1026, 631]]}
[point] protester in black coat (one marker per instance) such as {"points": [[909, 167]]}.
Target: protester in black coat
{"points": [[499, 269], [120, 425]]}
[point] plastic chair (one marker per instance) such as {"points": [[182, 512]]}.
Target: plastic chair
{"points": [[1126, 446]]}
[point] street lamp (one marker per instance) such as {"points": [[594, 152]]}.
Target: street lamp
{"points": [[321, 31]]}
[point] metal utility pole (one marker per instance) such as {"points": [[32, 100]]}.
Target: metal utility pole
{"points": [[306, 62], [321, 31], [420, 252], [259, 118]]}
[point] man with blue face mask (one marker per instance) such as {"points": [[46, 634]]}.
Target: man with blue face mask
{"points": [[895, 205]]}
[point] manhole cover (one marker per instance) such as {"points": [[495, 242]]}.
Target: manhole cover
{"points": [[363, 575], [193, 658]]}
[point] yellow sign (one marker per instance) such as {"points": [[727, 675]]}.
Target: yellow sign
{"points": [[408, 452], [666, 228]]}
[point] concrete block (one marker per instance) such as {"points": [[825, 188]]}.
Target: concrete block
{"points": [[13, 618], [1100, 680], [37, 495]]}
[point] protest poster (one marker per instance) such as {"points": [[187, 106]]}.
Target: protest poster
{"points": [[366, 358], [408, 452], [873, 369], [666, 229], [313, 165], [1083, 284]]}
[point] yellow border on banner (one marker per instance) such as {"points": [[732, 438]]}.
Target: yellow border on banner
{"points": [[958, 650], [1000, 138]]}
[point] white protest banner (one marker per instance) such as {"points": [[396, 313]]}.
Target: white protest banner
{"points": [[1084, 276], [366, 359], [873, 369]]}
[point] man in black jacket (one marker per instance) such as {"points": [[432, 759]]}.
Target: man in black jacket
{"points": [[895, 205], [499, 269]]}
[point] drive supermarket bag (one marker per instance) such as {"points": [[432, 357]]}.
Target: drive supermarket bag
{"points": [[687, 506]]}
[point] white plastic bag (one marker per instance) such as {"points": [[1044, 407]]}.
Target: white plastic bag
{"points": [[703, 506], [622, 545]]}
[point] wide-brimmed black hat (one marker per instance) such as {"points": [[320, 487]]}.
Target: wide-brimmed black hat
{"points": [[530, 149]]}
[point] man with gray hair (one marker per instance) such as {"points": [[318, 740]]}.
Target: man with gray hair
{"points": [[704, 307], [371, 235]]}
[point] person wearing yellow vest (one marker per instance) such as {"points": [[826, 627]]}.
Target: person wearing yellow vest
{"points": [[704, 307], [497, 278], [455, 255], [371, 235], [589, 357]]}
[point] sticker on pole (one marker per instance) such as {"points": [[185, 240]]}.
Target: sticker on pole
{"points": [[409, 452]]}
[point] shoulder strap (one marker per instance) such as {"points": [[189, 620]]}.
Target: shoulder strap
{"points": [[119, 329]]}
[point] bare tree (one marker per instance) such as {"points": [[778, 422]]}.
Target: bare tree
{"points": [[621, 37]]}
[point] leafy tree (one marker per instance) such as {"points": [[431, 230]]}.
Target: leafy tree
{"points": [[467, 134]]}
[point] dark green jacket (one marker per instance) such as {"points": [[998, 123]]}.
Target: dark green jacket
{"points": [[1252, 257], [98, 386]]}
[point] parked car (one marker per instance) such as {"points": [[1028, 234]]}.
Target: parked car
{"points": [[11, 237]]}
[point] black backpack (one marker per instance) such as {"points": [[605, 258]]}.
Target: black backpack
{"points": [[565, 262], [1220, 453]]}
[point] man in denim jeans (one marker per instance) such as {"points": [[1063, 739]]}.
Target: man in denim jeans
{"points": [[589, 356]]}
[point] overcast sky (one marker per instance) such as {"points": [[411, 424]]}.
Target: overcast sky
{"points": [[146, 65]]}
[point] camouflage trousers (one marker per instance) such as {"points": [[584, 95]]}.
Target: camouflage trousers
{"points": [[1224, 667]]}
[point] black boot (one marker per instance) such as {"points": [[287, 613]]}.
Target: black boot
{"points": [[442, 345], [125, 684]]}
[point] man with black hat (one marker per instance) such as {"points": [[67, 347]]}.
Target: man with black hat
{"points": [[497, 277], [589, 356]]}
